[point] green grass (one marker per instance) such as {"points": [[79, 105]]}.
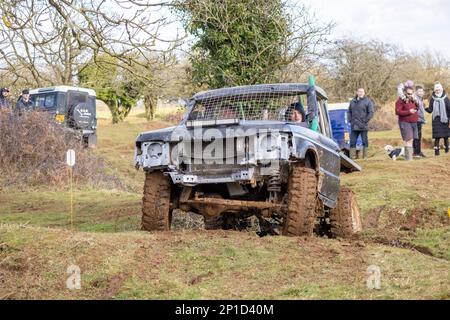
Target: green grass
{"points": [[116, 145], [97, 211], [421, 183], [437, 240]]}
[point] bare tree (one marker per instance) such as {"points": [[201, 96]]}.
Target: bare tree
{"points": [[426, 68], [50, 42], [378, 67], [373, 65]]}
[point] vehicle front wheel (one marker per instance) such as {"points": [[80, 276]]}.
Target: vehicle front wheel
{"points": [[345, 218], [302, 199], [156, 213]]}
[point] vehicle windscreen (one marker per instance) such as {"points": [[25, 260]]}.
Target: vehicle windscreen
{"points": [[258, 106], [44, 101]]}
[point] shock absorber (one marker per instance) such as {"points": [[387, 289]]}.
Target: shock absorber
{"points": [[274, 188]]}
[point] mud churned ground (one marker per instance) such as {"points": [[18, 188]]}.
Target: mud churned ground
{"points": [[215, 265], [406, 237]]}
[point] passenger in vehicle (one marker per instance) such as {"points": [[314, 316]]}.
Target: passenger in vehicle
{"points": [[227, 111]]}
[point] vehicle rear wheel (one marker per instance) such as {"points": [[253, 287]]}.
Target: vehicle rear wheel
{"points": [[156, 213], [302, 200], [345, 219]]}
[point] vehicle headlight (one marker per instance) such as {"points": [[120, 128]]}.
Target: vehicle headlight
{"points": [[155, 154], [155, 150]]}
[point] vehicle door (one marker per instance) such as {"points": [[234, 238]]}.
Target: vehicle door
{"points": [[79, 113], [330, 161]]}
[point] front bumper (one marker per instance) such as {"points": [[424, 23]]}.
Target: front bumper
{"points": [[245, 175]]}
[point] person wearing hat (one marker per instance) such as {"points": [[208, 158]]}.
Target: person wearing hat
{"points": [[24, 104], [440, 108], [360, 112], [401, 90], [296, 113], [4, 99]]}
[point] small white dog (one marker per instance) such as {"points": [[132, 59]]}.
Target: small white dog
{"points": [[394, 153]]}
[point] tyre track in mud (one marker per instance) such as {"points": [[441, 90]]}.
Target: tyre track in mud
{"points": [[397, 226]]}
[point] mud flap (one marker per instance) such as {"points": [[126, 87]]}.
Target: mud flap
{"points": [[348, 165]]}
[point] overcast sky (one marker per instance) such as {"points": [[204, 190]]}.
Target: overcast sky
{"points": [[414, 24]]}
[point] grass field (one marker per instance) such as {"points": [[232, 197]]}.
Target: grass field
{"points": [[410, 241]]}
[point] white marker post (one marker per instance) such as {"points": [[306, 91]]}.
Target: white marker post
{"points": [[70, 159]]}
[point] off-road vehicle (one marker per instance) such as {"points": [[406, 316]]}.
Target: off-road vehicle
{"points": [[72, 106], [241, 153]]}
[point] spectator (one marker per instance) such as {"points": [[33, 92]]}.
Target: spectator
{"points": [[401, 89], [408, 115], [420, 93], [24, 104], [4, 99], [440, 108], [360, 112]]}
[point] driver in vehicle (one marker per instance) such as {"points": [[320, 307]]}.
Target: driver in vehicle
{"points": [[296, 113]]}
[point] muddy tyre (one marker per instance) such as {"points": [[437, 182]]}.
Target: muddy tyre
{"points": [[345, 219], [156, 213], [302, 198]]}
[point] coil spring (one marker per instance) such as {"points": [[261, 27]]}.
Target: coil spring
{"points": [[274, 184]]}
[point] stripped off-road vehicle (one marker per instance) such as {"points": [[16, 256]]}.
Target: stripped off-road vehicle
{"points": [[238, 154]]}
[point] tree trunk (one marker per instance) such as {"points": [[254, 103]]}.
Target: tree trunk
{"points": [[114, 108], [150, 103]]}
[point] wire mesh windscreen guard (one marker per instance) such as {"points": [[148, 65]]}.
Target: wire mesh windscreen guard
{"points": [[269, 106]]}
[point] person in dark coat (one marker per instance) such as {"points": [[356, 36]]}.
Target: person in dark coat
{"points": [[440, 108], [420, 93], [360, 113], [24, 104], [4, 99]]}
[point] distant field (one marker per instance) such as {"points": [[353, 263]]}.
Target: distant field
{"points": [[162, 111], [409, 239]]}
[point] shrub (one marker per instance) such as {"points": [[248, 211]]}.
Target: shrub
{"points": [[33, 152], [384, 119]]}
